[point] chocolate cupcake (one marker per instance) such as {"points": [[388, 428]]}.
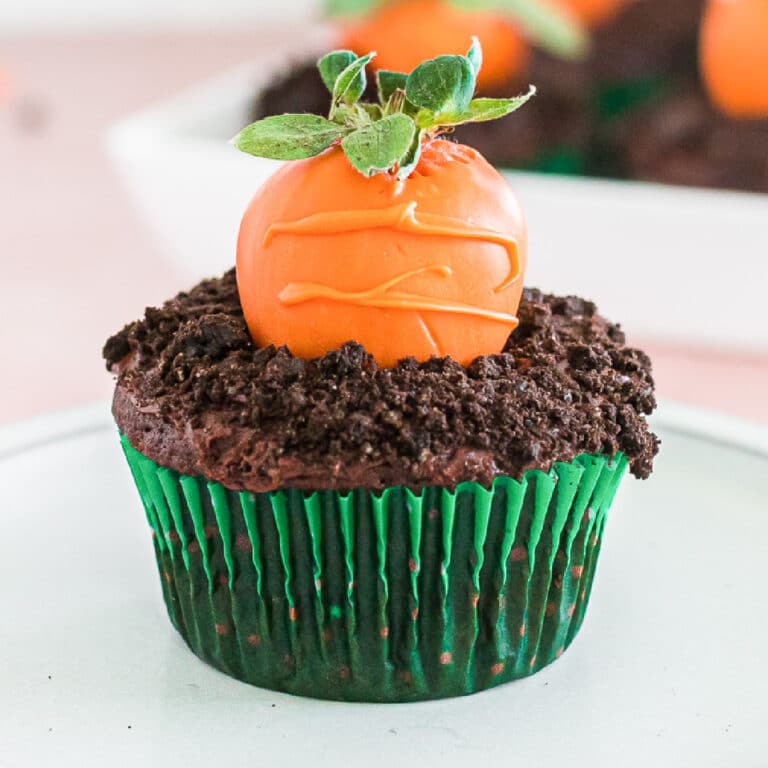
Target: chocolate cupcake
{"points": [[408, 500]]}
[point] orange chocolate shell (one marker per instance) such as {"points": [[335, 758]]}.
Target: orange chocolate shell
{"points": [[431, 265]]}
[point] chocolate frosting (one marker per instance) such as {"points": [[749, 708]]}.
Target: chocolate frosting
{"points": [[195, 394]]}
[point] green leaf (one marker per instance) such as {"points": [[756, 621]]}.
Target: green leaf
{"points": [[289, 137], [333, 64], [411, 159], [388, 82], [481, 110], [381, 145], [475, 55], [373, 111], [346, 114], [350, 84], [444, 85], [426, 118], [550, 26]]}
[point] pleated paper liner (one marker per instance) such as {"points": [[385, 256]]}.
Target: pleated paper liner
{"points": [[397, 596]]}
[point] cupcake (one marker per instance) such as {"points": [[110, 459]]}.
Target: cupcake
{"points": [[711, 128], [375, 467]]}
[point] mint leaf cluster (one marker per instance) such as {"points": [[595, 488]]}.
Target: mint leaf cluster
{"points": [[382, 137]]}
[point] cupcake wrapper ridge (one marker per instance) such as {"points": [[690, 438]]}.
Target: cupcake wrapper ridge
{"points": [[391, 596]]}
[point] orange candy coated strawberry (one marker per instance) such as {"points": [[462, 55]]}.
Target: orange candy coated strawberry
{"points": [[382, 232], [431, 265], [733, 56]]}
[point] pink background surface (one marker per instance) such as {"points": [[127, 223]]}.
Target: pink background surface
{"points": [[76, 261]]}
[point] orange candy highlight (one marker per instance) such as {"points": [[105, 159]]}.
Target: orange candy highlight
{"points": [[429, 266], [733, 56], [406, 33]]}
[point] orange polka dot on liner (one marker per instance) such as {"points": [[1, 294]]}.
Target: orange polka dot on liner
{"points": [[210, 531], [519, 554]]}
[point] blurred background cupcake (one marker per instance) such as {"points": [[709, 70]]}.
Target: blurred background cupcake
{"points": [[621, 92]]}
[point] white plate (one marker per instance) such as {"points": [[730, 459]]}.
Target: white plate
{"points": [[669, 669], [678, 264]]}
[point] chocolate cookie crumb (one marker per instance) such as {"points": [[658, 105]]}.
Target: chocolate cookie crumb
{"points": [[194, 393]]}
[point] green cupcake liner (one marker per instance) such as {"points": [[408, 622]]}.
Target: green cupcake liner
{"points": [[395, 596]]}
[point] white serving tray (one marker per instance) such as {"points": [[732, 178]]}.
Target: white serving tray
{"points": [[676, 264], [669, 668]]}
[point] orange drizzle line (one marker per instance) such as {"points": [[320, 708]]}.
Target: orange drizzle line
{"points": [[381, 296], [404, 218]]}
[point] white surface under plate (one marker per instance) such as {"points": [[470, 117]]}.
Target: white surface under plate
{"points": [[669, 669], [678, 264]]}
